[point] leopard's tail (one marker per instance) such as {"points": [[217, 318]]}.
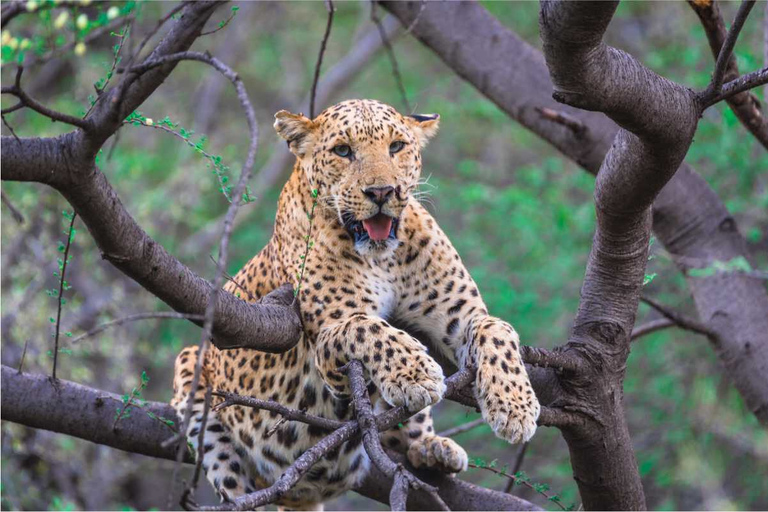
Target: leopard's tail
{"points": [[223, 460]]}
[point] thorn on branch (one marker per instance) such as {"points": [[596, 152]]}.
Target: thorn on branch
{"points": [[577, 127]]}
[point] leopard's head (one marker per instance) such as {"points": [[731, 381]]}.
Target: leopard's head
{"points": [[364, 159]]}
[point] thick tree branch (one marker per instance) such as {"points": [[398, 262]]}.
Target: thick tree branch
{"points": [[659, 119], [688, 217], [745, 105], [88, 414]]}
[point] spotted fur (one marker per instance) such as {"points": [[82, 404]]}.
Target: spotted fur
{"points": [[353, 287]]}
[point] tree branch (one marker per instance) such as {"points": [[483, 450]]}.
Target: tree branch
{"points": [[87, 413], [739, 85], [679, 319], [650, 327], [724, 56]]}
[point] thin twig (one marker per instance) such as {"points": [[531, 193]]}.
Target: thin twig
{"points": [[23, 356], [221, 24], [189, 492], [38, 107], [133, 318], [318, 65], [154, 31], [93, 35], [391, 53], [515, 479], [679, 319], [651, 326], [518, 466], [15, 213], [231, 399], [100, 90], [423, 5], [739, 85], [745, 105], [460, 429], [730, 41], [8, 125], [61, 294]]}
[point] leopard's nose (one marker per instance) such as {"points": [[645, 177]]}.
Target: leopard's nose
{"points": [[379, 195]]}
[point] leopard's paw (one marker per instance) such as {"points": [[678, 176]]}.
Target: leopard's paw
{"points": [[509, 405], [416, 384], [441, 453]]}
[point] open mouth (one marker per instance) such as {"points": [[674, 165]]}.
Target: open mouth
{"points": [[378, 228]]}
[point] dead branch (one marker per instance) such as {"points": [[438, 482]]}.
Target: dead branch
{"points": [[739, 85]]}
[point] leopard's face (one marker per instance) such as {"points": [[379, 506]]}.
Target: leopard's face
{"points": [[364, 160]]}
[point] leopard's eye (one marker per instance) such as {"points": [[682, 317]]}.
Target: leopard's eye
{"points": [[342, 150], [396, 146]]}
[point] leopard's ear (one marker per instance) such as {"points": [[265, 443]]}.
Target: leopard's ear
{"points": [[297, 130], [425, 126]]}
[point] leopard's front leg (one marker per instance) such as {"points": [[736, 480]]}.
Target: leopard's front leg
{"points": [[397, 363], [502, 388]]}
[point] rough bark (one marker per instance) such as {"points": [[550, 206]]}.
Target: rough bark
{"points": [[89, 414], [688, 217]]}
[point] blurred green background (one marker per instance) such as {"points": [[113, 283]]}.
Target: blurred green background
{"points": [[520, 215]]}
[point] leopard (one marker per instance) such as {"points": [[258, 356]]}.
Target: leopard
{"points": [[370, 265]]}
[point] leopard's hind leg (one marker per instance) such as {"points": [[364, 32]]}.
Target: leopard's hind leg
{"points": [[223, 461]]}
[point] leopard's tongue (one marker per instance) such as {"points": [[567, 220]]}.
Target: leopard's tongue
{"points": [[378, 226]]}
